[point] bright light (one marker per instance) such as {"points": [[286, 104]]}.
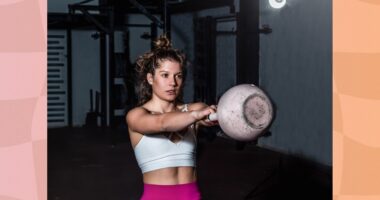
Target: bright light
{"points": [[277, 3]]}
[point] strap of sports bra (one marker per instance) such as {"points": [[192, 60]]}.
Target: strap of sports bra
{"points": [[185, 109]]}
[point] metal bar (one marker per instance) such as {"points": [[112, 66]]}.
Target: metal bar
{"points": [[233, 16], [193, 6], [111, 63], [146, 13], [138, 25], [60, 21], [93, 20], [69, 71], [226, 32], [89, 7], [103, 80], [226, 20], [168, 22], [248, 38], [165, 18], [153, 34], [83, 2]]}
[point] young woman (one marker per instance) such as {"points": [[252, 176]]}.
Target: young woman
{"points": [[162, 129]]}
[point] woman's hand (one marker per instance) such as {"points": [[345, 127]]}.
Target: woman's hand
{"points": [[202, 115], [207, 121]]}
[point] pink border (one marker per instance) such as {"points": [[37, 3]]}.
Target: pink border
{"points": [[23, 158]]}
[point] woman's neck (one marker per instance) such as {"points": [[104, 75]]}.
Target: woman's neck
{"points": [[161, 106]]}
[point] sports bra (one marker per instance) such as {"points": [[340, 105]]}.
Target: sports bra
{"points": [[157, 151]]}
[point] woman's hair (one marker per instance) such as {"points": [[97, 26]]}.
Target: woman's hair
{"points": [[149, 61]]}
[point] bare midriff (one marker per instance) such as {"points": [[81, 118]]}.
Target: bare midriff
{"points": [[170, 176]]}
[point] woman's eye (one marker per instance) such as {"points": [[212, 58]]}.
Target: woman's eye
{"points": [[164, 75], [179, 76]]}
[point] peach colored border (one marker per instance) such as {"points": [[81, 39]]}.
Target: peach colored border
{"points": [[356, 99]]}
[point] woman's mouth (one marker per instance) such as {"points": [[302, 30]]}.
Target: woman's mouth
{"points": [[171, 92]]}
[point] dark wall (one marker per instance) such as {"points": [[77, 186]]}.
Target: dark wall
{"points": [[296, 72]]}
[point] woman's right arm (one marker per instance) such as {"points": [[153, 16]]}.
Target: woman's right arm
{"points": [[141, 121]]}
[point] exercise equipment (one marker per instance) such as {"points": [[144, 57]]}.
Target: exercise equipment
{"points": [[243, 112]]}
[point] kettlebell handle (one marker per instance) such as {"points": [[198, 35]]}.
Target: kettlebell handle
{"points": [[213, 117]]}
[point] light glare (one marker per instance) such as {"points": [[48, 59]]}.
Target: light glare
{"points": [[277, 3]]}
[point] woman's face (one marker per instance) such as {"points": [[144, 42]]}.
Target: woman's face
{"points": [[167, 80]]}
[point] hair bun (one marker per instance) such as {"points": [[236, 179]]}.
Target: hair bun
{"points": [[162, 42]]}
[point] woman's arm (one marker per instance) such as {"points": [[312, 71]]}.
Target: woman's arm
{"points": [[140, 120], [204, 121]]}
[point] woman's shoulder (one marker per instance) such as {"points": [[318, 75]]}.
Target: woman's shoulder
{"points": [[136, 111]]}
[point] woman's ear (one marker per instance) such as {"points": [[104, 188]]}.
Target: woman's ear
{"points": [[149, 77]]}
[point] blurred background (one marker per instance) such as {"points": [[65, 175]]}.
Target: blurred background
{"points": [[283, 46]]}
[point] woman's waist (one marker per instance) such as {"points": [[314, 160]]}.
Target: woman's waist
{"points": [[171, 176]]}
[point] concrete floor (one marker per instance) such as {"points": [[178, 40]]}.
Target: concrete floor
{"points": [[96, 164]]}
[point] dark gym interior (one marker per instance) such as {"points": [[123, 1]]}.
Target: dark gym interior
{"points": [[287, 52]]}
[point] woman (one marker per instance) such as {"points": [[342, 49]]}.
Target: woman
{"points": [[162, 129]]}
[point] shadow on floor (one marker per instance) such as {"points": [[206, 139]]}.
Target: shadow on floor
{"points": [[99, 164]]}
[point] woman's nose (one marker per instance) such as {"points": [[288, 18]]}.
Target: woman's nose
{"points": [[173, 81]]}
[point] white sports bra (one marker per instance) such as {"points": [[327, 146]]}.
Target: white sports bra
{"points": [[156, 151]]}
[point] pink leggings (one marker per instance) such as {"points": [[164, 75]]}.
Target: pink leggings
{"points": [[188, 191]]}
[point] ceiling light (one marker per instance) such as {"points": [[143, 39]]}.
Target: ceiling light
{"points": [[277, 3]]}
